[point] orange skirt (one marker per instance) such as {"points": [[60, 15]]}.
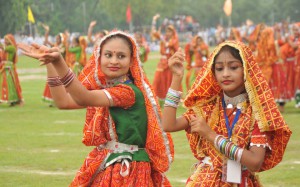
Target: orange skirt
{"points": [[278, 83], [161, 82], [47, 94], [140, 175]]}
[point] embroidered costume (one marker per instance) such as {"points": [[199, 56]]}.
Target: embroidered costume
{"points": [[163, 75], [10, 88], [80, 56], [131, 149], [196, 54], [259, 124]]}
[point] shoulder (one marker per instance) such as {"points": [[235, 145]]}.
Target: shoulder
{"points": [[123, 95]]}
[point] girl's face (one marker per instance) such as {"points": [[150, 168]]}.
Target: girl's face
{"points": [[229, 73], [58, 39], [6, 41], [199, 41], [169, 33], [138, 38], [115, 58]]}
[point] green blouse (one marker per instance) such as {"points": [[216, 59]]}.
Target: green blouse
{"points": [[11, 51], [131, 126], [76, 51]]}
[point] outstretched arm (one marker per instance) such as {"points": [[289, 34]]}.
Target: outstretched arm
{"points": [[78, 92], [169, 121]]}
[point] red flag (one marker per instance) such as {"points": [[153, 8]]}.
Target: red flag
{"points": [[227, 7], [128, 14]]}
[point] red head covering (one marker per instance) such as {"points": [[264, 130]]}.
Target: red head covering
{"points": [[264, 109], [99, 127], [236, 34]]}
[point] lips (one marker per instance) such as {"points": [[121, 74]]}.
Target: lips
{"points": [[113, 68], [226, 82]]}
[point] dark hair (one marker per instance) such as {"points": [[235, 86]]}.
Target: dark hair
{"points": [[77, 39], [125, 38], [233, 51]]}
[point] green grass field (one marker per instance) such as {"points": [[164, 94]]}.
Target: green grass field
{"points": [[41, 146]]}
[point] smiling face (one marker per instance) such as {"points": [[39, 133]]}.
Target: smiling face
{"points": [[115, 57], [229, 72]]}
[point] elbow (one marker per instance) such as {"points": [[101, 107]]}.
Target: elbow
{"points": [[165, 129], [62, 106], [165, 126], [255, 165], [80, 102]]}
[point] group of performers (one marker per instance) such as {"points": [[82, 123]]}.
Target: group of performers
{"points": [[125, 125], [275, 49]]}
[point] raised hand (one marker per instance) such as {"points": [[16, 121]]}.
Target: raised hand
{"points": [[93, 23], [40, 52], [46, 27], [176, 63], [156, 16]]}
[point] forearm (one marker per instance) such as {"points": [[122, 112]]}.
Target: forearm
{"points": [[78, 92], [62, 99], [47, 42], [74, 88], [252, 158], [90, 32], [169, 120]]}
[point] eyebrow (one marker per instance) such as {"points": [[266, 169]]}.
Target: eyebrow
{"points": [[230, 62], [115, 51]]}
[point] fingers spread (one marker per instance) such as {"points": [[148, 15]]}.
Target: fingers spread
{"points": [[33, 55], [35, 45], [23, 47], [53, 49]]}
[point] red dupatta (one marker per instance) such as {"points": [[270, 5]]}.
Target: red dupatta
{"points": [[99, 127], [264, 109]]}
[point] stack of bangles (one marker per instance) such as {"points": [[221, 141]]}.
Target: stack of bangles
{"points": [[66, 80], [54, 81], [229, 149], [172, 98]]}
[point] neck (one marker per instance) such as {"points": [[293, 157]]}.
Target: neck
{"points": [[121, 79], [236, 99]]}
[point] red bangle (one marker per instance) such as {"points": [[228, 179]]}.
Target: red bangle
{"points": [[68, 78], [54, 81]]}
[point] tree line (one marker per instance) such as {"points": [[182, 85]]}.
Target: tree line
{"points": [[75, 15]]}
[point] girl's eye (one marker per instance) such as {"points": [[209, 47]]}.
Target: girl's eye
{"points": [[108, 55], [121, 56], [218, 68], [234, 67]]}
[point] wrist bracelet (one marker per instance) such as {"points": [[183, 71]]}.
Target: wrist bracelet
{"points": [[54, 81], [68, 78]]}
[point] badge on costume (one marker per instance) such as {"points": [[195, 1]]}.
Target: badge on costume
{"points": [[231, 171]]}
